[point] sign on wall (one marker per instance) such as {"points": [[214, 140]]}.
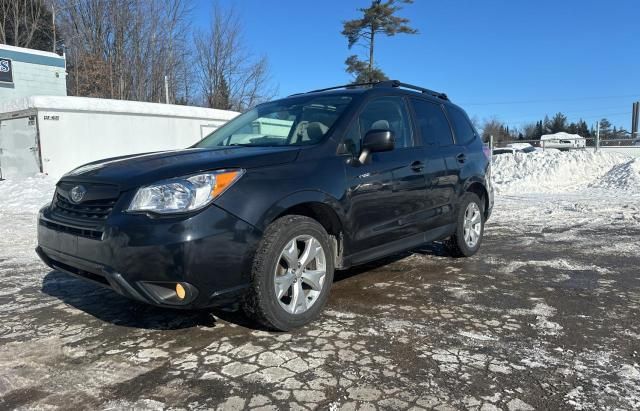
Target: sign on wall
{"points": [[6, 70]]}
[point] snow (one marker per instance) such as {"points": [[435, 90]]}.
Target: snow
{"points": [[561, 136], [565, 172], [25, 195], [48, 103]]}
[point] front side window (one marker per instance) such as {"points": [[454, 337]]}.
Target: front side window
{"points": [[461, 125], [382, 113], [432, 122], [295, 121]]}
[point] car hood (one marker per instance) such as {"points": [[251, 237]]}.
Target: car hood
{"points": [[141, 169]]}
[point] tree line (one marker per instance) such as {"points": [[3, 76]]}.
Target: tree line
{"points": [[136, 49], [124, 49], [502, 133]]}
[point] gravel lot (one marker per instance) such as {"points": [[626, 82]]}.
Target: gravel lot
{"points": [[545, 317]]}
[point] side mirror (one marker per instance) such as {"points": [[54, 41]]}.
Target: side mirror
{"points": [[376, 141]]}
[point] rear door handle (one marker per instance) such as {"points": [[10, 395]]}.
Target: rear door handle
{"points": [[461, 158], [417, 166]]}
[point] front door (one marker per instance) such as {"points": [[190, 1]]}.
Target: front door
{"points": [[386, 196]]}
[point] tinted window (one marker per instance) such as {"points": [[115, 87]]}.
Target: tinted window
{"points": [[432, 122], [461, 126], [383, 113]]}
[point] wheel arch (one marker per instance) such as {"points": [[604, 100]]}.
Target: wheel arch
{"points": [[319, 206], [477, 187]]}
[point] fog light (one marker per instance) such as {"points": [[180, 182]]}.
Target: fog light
{"points": [[180, 291]]}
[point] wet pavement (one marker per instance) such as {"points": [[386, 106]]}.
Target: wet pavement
{"points": [[544, 317]]}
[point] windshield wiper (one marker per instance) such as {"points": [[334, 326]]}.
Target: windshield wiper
{"points": [[252, 145]]}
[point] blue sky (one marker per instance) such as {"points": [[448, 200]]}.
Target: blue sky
{"points": [[531, 57]]}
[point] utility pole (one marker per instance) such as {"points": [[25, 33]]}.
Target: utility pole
{"points": [[635, 113], [598, 135]]}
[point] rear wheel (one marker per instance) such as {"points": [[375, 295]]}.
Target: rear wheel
{"points": [[466, 241], [291, 275]]}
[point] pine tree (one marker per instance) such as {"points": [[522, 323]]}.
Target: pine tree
{"points": [[379, 18], [558, 123], [605, 129]]}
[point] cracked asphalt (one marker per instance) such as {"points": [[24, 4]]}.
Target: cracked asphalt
{"points": [[544, 317]]}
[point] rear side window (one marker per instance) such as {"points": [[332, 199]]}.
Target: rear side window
{"points": [[461, 126], [432, 122]]}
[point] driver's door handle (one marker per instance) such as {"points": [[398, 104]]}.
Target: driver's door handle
{"points": [[417, 166], [461, 158]]}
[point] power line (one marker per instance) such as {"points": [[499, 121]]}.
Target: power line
{"points": [[550, 100]]}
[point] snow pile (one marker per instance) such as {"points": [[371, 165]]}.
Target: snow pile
{"points": [[625, 176], [26, 194], [564, 171]]}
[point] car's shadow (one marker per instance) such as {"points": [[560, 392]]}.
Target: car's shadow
{"points": [[109, 306], [435, 249]]}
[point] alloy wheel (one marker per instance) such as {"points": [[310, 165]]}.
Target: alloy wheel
{"points": [[299, 274], [472, 225]]}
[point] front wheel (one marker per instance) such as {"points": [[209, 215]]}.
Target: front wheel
{"points": [[292, 274], [466, 241]]}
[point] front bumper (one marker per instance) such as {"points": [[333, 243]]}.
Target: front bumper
{"points": [[143, 258]]}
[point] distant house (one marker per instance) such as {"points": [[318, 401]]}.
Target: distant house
{"points": [[563, 141], [27, 72]]}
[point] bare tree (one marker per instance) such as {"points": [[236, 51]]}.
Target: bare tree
{"points": [[26, 23], [123, 49], [228, 75], [497, 129]]}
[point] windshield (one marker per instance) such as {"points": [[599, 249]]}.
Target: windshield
{"points": [[289, 122]]}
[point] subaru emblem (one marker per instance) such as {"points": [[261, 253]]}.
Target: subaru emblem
{"points": [[77, 193]]}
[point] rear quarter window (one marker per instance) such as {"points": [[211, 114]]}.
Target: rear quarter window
{"points": [[462, 127]]}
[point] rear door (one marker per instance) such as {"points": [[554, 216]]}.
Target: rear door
{"points": [[439, 149], [19, 151], [387, 194], [467, 153]]}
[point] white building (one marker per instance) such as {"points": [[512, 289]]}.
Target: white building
{"points": [[27, 72]]}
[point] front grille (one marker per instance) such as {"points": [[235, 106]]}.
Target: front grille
{"points": [[92, 234], [92, 211]]}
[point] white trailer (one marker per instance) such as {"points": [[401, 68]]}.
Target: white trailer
{"points": [[53, 135], [563, 141]]}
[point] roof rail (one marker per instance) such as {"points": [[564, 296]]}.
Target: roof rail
{"points": [[352, 85], [385, 83], [398, 83]]}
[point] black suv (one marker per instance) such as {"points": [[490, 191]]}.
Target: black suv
{"points": [[264, 209]]}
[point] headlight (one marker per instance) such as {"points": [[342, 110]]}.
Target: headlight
{"points": [[179, 195]]}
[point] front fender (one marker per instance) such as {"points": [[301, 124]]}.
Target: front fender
{"points": [[301, 198]]}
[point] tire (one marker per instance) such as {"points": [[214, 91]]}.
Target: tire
{"points": [[457, 244], [279, 255]]}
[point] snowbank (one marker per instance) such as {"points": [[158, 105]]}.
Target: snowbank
{"points": [[26, 194], [561, 172], [625, 176]]}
